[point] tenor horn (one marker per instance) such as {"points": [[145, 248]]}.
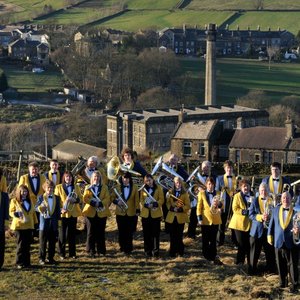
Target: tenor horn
{"points": [[123, 205], [96, 199]]}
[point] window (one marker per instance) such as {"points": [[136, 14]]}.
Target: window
{"points": [[201, 149], [187, 149], [298, 158], [237, 155], [257, 157], [267, 157]]}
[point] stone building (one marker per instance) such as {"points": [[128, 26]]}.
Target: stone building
{"points": [[266, 144], [153, 129]]}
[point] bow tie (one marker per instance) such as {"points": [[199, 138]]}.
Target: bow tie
{"points": [[274, 179], [204, 175], [33, 177], [127, 164], [126, 186], [287, 209], [263, 199], [54, 173], [229, 176], [211, 193], [50, 197], [95, 185]]}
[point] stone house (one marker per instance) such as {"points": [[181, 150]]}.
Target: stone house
{"points": [[266, 144]]}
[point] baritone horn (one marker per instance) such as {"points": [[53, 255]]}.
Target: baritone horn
{"points": [[70, 202], [121, 202]]}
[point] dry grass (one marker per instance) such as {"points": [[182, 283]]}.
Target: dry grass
{"points": [[117, 276]]}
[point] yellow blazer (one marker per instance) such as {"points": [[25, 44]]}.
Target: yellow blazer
{"points": [[58, 176], [159, 197], [24, 179], [60, 191], [203, 209], [90, 211], [3, 184], [182, 217], [132, 201], [239, 221], [29, 219]]}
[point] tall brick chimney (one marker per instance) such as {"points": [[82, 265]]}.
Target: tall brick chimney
{"points": [[210, 73]]}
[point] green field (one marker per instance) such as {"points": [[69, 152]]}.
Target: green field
{"points": [[242, 4], [153, 4], [284, 20], [28, 82], [135, 20], [236, 77]]}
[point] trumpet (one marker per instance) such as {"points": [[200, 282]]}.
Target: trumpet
{"points": [[150, 200], [121, 202], [296, 224], [96, 199], [70, 201]]}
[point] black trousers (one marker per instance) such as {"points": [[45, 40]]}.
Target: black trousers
{"points": [[96, 235], [2, 247], [23, 240], [47, 237], [67, 233], [151, 231], [193, 223], [176, 238], [126, 226], [242, 238], [256, 245], [209, 241], [222, 230], [287, 262]]}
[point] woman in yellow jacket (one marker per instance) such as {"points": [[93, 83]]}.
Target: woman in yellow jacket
{"points": [[96, 210], [151, 199], [3, 182], [22, 211], [178, 204], [241, 222], [209, 209], [70, 197], [126, 217]]}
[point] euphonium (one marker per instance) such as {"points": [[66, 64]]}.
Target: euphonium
{"points": [[96, 199], [70, 201], [296, 224], [121, 202], [195, 184]]}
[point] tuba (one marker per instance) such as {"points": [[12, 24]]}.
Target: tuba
{"points": [[194, 184], [121, 202], [296, 224]]}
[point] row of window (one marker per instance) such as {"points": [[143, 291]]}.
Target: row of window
{"points": [[187, 149]]}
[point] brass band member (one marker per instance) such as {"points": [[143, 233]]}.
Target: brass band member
{"points": [[228, 184], [260, 213], [97, 200], [151, 214], [70, 197], [23, 215], [48, 206], [4, 215], [276, 181], [92, 166], [126, 219], [240, 221], [209, 217], [280, 234], [178, 204], [54, 174]]}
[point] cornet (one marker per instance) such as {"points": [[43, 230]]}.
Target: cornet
{"points": [[96, 199], [121, 202]]}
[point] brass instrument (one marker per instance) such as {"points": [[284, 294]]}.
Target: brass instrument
{"points": [[45, 207], [121, 202], [276, 198], [96, 199], [165, 175], [150, 199], [214, 208], [22, 216], [179, 202], [296, 224], [70, 202], [195, 184], [80, 177]]}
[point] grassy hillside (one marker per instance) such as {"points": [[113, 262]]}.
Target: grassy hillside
{"points": [[153, 4], [134, 20], [236, 77], [285, 20], [242, 4]]}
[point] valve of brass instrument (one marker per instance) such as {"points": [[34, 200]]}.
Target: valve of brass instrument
{"points": [[216, 205]]}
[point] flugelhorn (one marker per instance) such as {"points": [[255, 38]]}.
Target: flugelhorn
{"points": [[96, 199], [121, 202]]}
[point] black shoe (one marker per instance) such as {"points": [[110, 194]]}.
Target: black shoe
{"points": [[218, 262], [52, 262], [293, 289]]}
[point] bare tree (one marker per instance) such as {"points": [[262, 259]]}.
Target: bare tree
{"points": [[272, 52]]}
